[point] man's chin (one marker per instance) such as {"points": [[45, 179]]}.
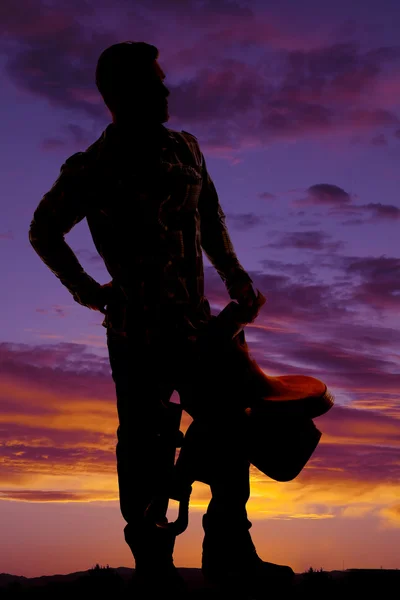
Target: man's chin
{"points": [[165, 117]]}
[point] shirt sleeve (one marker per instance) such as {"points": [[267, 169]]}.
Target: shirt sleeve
{"points": [[62, 207], [215, 239]]}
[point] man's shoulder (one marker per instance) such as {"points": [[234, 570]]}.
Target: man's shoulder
{"points": [[183, 134], [82, 160], [74, 164], [189, 140], [75, 161], [85, 159]]}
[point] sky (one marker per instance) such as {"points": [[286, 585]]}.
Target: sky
{"points": [[296, 106]]}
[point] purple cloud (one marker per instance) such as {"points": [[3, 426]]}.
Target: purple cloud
{"points": [[379, 140], [306, 240], [326, 194], [379, 281], [366, 464], [246, 221], [293, 269], [320, 90], [267, 196], [357, 445], [382, 211], [7, 236], [340, 202], [58, 310]]}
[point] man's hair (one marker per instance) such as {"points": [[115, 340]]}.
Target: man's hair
{"points": [[118, 64]]}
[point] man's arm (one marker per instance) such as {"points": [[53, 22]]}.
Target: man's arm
{"points": [[216, 241], [60, 209]]}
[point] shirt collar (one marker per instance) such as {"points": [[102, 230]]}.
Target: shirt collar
{"points": [[111, 132]]}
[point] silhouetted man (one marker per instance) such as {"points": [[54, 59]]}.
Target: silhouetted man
{"points": [[152, 208]]}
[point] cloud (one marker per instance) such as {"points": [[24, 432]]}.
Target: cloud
{"points": [[350, 426], [382, 211], [392, 514], [339, 202], [379, 140], [57, 496], [38, 20], [58, 311], [306, 86], [366, 464], [73, 465], [51, 144], [340, 76], [58, 415], [296, 270], [379, 281], [49, 54], [58, 423], [245, 221], [260, 113], [267, 196], [328, 330], [373, 212], [326, 194], [306, 240], [75, 135]]}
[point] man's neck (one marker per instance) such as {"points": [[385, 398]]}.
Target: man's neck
{"points": [[140, 128]]}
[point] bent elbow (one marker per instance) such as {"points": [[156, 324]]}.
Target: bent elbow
{"points": [[33, 233], [39, 234]]}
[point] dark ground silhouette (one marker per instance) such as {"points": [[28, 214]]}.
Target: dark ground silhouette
{"points": [[106, 582]]}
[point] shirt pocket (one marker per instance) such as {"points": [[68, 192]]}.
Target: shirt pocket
{"points": [[181, 191]]}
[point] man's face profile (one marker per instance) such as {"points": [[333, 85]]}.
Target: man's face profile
{"points": [[145, 96]]}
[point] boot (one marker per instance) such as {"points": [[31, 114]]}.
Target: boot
{"points": [[152, 548], [230, 559]]}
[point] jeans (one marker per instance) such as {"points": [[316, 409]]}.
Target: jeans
{"points": [[145, 378]]}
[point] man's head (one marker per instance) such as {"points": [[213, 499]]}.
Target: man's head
{"points": [[130, 81]]}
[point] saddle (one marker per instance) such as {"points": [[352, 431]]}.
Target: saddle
{"points": [[279, 433]]}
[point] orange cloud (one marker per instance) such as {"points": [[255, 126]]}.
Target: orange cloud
{"points": [[59, 434]]}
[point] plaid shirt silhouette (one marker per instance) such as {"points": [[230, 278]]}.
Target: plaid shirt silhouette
{"points": [[151, 210]]}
